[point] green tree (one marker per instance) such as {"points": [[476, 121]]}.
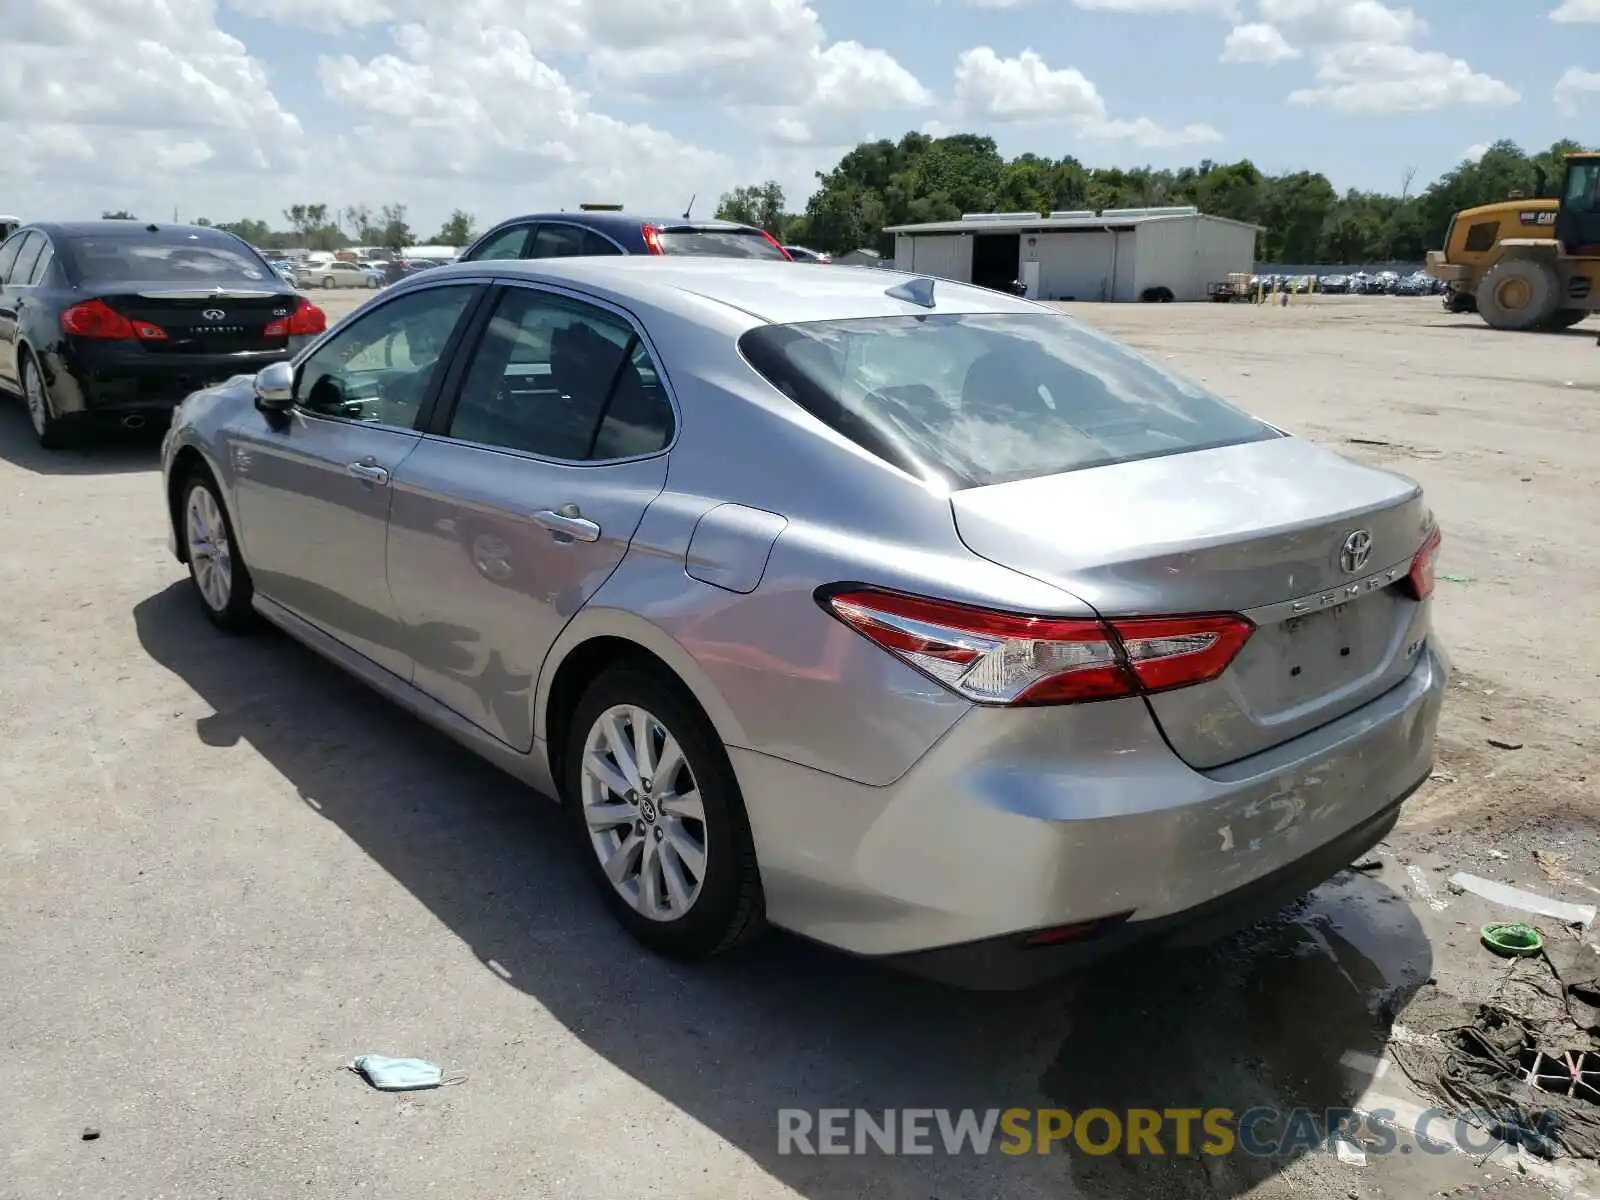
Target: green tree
{"points": [[121, 214], [761, 206], [395, 234], [257, 233], [457, 231]]}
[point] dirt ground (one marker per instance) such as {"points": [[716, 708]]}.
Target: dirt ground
{"points": [[225, 869]]}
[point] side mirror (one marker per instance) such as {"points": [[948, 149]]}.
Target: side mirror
{"points": [[275, 387]]}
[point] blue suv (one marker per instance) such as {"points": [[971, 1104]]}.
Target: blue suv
{"points": [[587, 233]]}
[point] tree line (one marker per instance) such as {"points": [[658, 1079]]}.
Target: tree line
{"points": [[319, 227], [1305, 219]]}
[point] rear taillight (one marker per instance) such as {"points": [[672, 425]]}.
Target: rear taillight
{"points": [[1011, 659], [307, 319], [777, 245], [97, 319], [1420, 581], [652, 239]]}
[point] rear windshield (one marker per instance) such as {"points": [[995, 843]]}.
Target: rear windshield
{"points": [[981, 399], [718, 243], [152, 258]]}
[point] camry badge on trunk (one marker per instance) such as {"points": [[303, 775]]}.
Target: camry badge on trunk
{"points": [[1355, 552], [213, 314]]}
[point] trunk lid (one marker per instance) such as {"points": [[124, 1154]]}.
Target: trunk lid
{"points": [[1259, 529], [204, 320]]}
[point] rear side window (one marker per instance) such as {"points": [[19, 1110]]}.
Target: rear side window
{"points": [[8, 254], [558, 241], [596, 244], [562, 379], [974, 400], [718, 243], [1481, 237], [41, 265], [164, 257], [22, 270]]}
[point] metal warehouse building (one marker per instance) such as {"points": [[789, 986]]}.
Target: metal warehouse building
{"points": [[1116, 254]]}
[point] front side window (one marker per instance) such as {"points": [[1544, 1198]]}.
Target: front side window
{"points": [[974, 400], [1583, 188], [562, 379], [508, 243], [380, 368], [1482, 236]]}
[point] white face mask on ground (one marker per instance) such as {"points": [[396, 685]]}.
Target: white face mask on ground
{"points": [[401, 1074]]}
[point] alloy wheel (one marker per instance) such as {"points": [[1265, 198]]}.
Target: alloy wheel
{"points": [[33, 392], [210, 555], [643, 812]]}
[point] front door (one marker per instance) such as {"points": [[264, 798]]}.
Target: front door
{"points": [[313, 487], [522, 502], [1578, 222]]}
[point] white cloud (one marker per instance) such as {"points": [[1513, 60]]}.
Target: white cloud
{"points": [[325, 16], [1225, 8], [1026, 88], [1257, 42], [1475, 151], [1575, 85], [1357, 78], [848, 82], [1343, 21], [1365, 56], [95, 94], [1577, 11]]}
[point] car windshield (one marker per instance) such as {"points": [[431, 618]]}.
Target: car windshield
{"points": [[982, 399], [147, 257], [718, 243]]}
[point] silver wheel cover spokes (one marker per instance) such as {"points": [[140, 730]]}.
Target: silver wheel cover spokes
{"points": [[210, 557], [33, 389], [644, 814]]}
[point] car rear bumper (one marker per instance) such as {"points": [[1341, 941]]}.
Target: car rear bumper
{"points": [[1023, 821], [117, 380]]}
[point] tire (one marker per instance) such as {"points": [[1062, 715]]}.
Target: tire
{"points": [[47, 427], [725, 907], [327, 282], [1566, 318], [225, 591], [1518, 294]]}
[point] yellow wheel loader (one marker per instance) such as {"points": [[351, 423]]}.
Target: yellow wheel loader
{"points": [[1527, 263]]}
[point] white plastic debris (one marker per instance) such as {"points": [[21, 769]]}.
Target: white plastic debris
{"points": [[1506, 896]]}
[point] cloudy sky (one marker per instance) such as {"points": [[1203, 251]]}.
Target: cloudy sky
{"points": [[233, 108]]}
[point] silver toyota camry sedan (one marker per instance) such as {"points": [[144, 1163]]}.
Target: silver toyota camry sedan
{"points": [[912, 617]]}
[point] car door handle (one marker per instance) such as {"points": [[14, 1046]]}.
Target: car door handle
{"points": [[568, 527], [368, 472]]}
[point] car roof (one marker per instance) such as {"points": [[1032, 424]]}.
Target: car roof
{"points": [[90, 228], [771, 291], [625, 222]]}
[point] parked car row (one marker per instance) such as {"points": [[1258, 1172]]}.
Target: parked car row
{"points": [[763, 576], [1358, 283]]}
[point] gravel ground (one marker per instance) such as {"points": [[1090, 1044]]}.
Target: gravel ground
{"points": [[225, 869]]}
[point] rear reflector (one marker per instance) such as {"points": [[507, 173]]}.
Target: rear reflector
{"points": [[1420, 581], [1082, 931], [1014, 659]]}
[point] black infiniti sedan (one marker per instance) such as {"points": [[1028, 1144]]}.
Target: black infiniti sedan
{"points": [[118, 321]]}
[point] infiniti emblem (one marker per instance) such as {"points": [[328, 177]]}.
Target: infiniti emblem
{"points": [[1356, 550], [213, 314]]}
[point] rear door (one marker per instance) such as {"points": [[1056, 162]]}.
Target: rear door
{"points": [[313, 489], [16, 259], [523, 499]]}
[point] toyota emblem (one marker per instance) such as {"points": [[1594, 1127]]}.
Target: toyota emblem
{"points": [[213, 314], [1356, 550]]}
